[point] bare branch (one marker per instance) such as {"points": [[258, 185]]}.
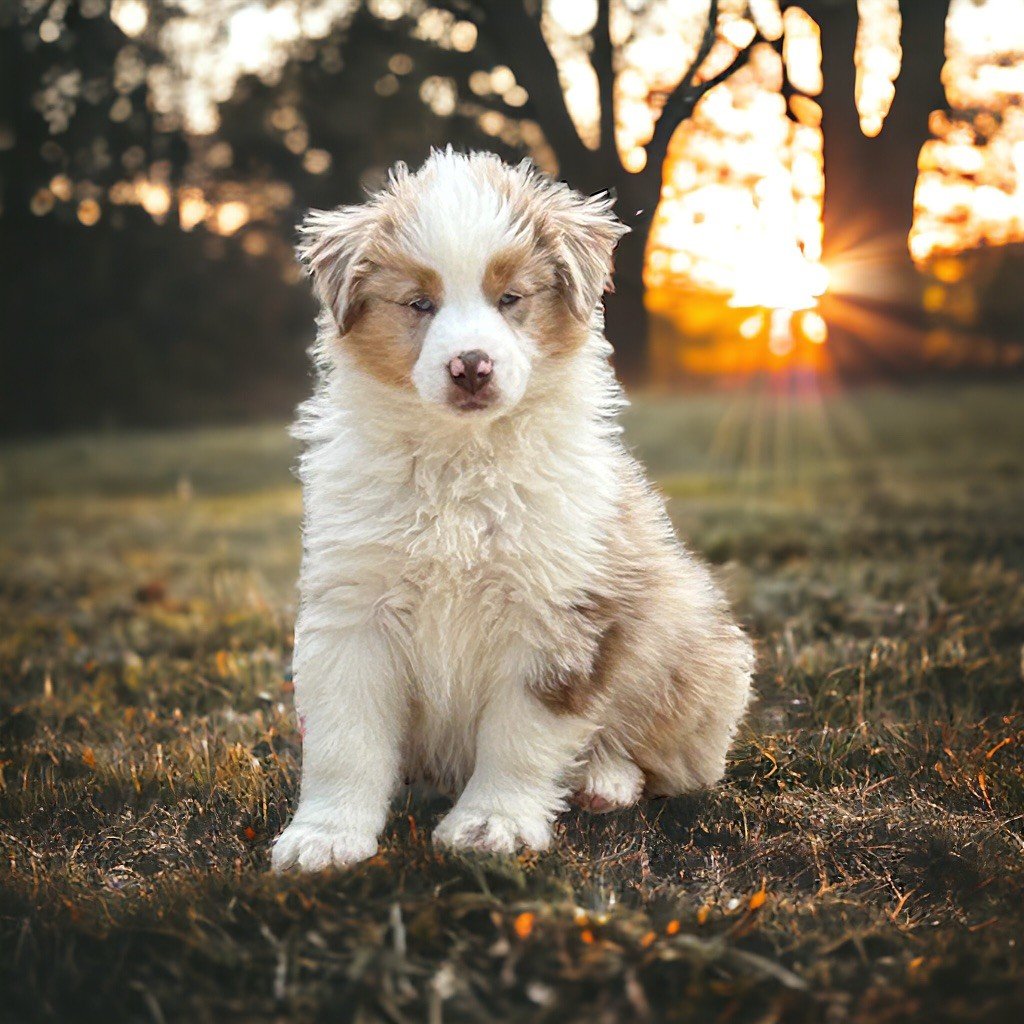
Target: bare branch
{"points": [[466, 9], [515, 33], [688, 93], [706, 43], [741, 58], [601, 57], [681, 101]]}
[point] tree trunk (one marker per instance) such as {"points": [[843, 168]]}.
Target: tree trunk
{"points": [[639, 194], [626, 318], [874, 303], [869, 183], [626, 322]]}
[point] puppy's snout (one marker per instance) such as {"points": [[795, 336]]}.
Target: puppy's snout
{"points": [[471, 370]]}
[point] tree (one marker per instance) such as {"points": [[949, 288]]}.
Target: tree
{"points": [[869, 198], [883, 168], [361, 90]]}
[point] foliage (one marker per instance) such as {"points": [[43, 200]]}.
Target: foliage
{"points": [[140, 322], [862, 860], [81, 110]]}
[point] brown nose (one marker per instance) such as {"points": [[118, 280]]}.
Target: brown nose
{"points": [[471, 370]]}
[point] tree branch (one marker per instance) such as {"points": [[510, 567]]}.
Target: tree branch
{"points": [[688, 93], [516, 34], [741, 58], [640, 191], [685, 96], [601, 57]]}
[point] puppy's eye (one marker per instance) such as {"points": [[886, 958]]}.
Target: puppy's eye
{"points": [[508, 299], [422, 305]]}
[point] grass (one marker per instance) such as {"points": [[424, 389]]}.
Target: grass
{"points": [[863, 860]]}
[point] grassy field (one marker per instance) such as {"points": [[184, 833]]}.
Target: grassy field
{"points": [[863, 860]]}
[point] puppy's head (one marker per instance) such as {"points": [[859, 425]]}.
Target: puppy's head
{"points": [[463, 282]]}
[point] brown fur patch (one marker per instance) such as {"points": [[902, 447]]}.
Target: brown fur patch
{"points": [[531, 271], [519, 268], [394, 276], [552, 323], [385, 334], [574, 693]]}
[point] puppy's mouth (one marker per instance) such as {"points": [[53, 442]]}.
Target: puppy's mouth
{"points": [[462, 402]]}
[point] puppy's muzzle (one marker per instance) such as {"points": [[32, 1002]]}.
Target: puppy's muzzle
{"points": [[471, 371]]}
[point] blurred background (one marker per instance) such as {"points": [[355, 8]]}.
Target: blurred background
{"points": [[820, 192], [819, 314]]}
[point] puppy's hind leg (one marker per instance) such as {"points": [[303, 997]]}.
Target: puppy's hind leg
{"points": [[610, 781], [688, 750], [694, 761]]}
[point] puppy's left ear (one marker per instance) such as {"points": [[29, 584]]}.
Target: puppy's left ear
{"points": [[588, 232], [333, 244]]}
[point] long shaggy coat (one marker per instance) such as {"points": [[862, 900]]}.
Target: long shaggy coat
{"points": [[492, 598]]}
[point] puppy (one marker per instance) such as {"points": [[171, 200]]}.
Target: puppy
{"points": [[492, 598]]}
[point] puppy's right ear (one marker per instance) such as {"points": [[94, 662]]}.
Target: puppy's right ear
{"points": [[333, 245]]}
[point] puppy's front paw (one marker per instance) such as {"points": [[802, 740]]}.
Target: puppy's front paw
{"points": [[492, 831], [314, 846]]}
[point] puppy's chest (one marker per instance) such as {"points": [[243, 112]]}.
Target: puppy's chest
{"points": [[478, 566], [491, 542]]}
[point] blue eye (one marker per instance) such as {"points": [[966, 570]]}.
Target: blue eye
{"points": [[422, 305], [509, 299]]}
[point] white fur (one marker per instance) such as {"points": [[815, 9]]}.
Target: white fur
{"points": [[438, 549], [610, 781], [433, 551]]}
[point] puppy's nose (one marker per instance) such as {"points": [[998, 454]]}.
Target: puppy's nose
{"points": [[471, 370]]}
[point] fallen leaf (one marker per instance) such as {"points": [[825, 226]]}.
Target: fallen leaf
{"points": [[151, 593]]}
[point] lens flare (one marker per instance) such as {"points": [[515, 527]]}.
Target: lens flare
{"points": [[734, 256]]}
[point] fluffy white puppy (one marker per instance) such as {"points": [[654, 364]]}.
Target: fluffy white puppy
{"points": [[491, 594]]}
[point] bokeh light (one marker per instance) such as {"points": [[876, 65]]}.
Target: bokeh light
{"points": [[970, 188], [130, 16], [741, 207], [878, 57]]}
